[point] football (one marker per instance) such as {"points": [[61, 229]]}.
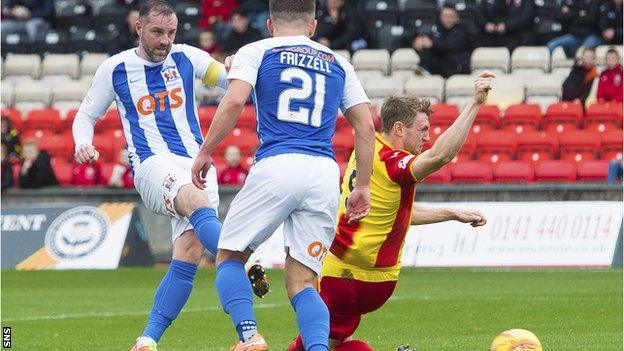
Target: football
{"points": [[516, 340]]}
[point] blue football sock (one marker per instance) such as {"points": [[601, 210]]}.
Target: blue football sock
{"points": [[207, 227], [312, 319], [170, 297], [235, 294]]}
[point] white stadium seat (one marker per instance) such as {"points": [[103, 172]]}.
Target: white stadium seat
{"points": [[506, 90], [530, 60], [459, 89], [560, 64], [31, 94], [19, 65], [493, 59], [365, 76], [403, 75], [382, 87], [60, 65], [404, 59], [344, 53], [431, 87], [544, 90], [372, 60], [7, 93], [90, 63]]}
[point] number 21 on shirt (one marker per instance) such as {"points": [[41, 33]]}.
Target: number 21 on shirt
{"points": [[302, 114]]}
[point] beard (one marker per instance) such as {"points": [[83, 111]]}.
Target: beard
{"points": [[156, 53]]}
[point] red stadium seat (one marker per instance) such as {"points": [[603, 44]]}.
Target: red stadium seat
{"points": [[107, 170], [577, 145], [69, 119], [471, 172], [602, 117], [611, 144], [537, 146], [522, 117], [343, 168], [594, 170], [62, 170], [247, 118], [443, 116], [104, 144], [61, 146], [493, 146], [15, 116], [206, 114], [246, 140], [36, 133], [514, 171], [44, 119], [555, 170], [342, 123], [111, 120], [467, 152], [488, 117], [343, 143], [565, 115], [443, 175]]}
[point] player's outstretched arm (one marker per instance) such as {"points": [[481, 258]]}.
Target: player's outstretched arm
{"points": [[427, 215], [450, 142], [227, 114], [360, 118]]}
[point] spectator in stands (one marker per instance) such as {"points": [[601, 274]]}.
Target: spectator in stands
{"points": [[215, 12], [122, 176], [240, 35], [7, 169], [257, 12], [338, 25], [36, 170], [506, 23], [208, 43], [578, 84], [234, 174], [10, 137], [447, 51], [610, 22], [615, 170], [87, 175], [26, 16], [580, 20], [610, 83], [128, 38]]}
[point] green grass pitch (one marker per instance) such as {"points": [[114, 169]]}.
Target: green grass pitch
{"points": [[432, 309]]}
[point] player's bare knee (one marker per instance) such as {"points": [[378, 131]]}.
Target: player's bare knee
{"points": [[298, 277], [188, 248], [190, 198], [225, 255]]}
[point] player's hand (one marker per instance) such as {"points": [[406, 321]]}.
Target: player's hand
{"points": [[228, 62], [475, 218], [358, 203], [483, 85], [86, 154], [200, 169]]}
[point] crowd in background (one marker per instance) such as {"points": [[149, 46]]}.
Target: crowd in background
{"points": [[444, 49]]}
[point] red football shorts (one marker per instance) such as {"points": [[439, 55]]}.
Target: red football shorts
{"points": [[348, 299]]}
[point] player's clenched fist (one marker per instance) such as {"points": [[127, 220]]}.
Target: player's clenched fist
{"points": [[86, 154], [475, 218], [200, 169], [483, 84]]}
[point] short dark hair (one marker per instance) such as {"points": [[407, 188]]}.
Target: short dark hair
{"points": [[160, 7], [402, 108], [448, 5], [612, 51], [292, 10]]}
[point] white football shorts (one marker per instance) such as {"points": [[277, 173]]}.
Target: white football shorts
{"points": [[158, 180], [301, 191]]}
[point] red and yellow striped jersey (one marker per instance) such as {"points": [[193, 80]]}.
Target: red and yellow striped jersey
{"points": [[370, 250]]}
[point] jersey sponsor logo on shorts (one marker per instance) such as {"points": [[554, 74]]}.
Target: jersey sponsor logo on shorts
{"points": [[76, 232], [148, 104], [317, 250]]}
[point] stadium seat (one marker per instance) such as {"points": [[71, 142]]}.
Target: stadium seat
{"points": [[388, 36], [402, 75], [565, 115], [344, 53], [247, 118], [494, 146], [555, 171], [22, 65], [372, 60], [522, 117], [493, 59], [107, 170], [459, 89], [382, 87], [577, 145], [467, 152], [96, 5], [90, 63], [560, 64], [31, 95], [611, 142], [48, 42], [442, 175], [61, 146], [62, 170], [206, 114], [593, 170], [443, 116], [188, 11], [530, 61], [15, 43], [342, 166], [106, 146], [68, 119], [343, 143], [246, 140], [488, 117], [366, 76], [471, 172], [7, 93], [111, 120], [45, 119], [85, 40], [537, 146], [431, 87], [380, 10], [514, 171], [544, 89], [73, 91], [601, 117], [14, 115], [404, 59], [507, 90]]}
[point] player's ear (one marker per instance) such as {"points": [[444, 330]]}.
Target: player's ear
{"points": [[398, 128], [311, 28], [270, 27]]}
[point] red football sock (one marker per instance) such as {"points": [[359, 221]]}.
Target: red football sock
{"points": [[296, 345], [354, 345]]}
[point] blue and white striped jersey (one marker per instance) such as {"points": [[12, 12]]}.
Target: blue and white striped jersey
{"points": [[156, 101], [298, 87]]}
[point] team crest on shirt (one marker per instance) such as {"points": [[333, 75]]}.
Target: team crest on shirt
{"points": [[170, 74], [169, 181], [403, 163]]}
